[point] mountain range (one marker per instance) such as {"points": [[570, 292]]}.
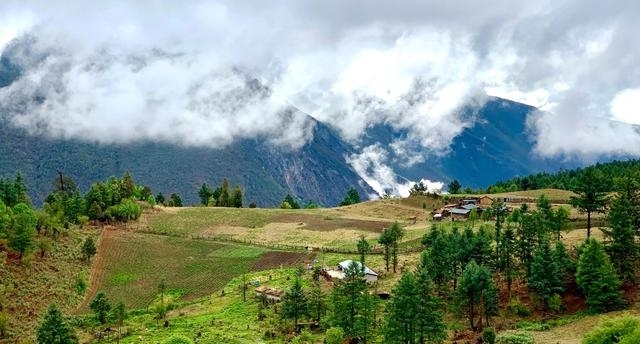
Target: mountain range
{"points": [[496, 147]]}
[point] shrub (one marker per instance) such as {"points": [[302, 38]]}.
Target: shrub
{"points": [[622, 330], [518, 308], [177, 339], [515, 338], [334, 335], [489, 335], [555, 303], [81, 285]]}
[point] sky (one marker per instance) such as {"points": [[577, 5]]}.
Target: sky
{"points": [[206, 73]]}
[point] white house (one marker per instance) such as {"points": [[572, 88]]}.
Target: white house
{"points": [[370, 276]]}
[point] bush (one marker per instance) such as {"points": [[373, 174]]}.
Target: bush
{"points": [[555, 303], [515, 338], [622, 330], [518, 308], [177, 339], [334, 335], [489, 335]]}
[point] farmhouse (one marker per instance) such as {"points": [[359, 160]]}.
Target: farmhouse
{"points": [[370, 276], [485, 201], [459, 213]]}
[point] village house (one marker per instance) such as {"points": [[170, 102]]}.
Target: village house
{"points": [[485, 201], [370, 276]]}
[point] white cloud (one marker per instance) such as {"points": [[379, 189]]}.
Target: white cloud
{"points": [[204, 73], [625, 106]]}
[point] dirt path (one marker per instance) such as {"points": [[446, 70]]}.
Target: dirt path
{"points": [[97, 268]]}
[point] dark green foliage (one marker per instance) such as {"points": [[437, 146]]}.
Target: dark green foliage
{"points": [[54, 329], [13, 192], [353, 306], [236, 198], [224, 198], [592, 194], [389, 238], [515, 338], [565, 179], [317, 301], [160, 198], [295, 304], [454, 187], [205, 194], [545, 278], [24, 228], [477, 293], [334, 335], [413, 314], [119, 315], [621, 245], [489, 335], [88, 248], [623, 330], [506, 248], [291, 202], [363, 249], [100, 306], [597, 279], [352, 197], [174, 200]]}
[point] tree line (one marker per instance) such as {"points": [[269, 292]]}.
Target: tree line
{"points": [[221, 196]]}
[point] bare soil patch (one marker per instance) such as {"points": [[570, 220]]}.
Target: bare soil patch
{"points": [[329, 223], [272, 260]]}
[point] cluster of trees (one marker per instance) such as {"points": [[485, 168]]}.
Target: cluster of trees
{"points": [[54, 328], [566, 179], [352, 197], [221, 196]]}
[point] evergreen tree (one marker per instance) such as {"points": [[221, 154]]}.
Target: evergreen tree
{"points": [[205, 194], [288, 199], [100, 306], [317, 303], [160, 198], [236, 197], [476, 293], [88, 249], [506, 261], [174, 200], [597, 279], [545, 277], [402, 311], [363, 248], [127, 186], [24, 228], [386, 240], [352, 197], [430, 326], [223, 199], [592, 194], [437, 261], [295, 304], [454, 187], [54, 329], [352, 304], [119, 315], [621, 246], [395, 233]]}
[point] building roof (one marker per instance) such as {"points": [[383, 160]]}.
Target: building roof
{"points": [[344, 265], [469, 206], [460, 211]]}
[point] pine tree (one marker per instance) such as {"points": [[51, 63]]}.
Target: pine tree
{"points": [[54, 329], [295, 304], [621, 246], [402, 311], [88, 249], [119, 315], [223, 199], [363, 248], [205, 194], [101, 307], [352, 305], [545, 277], [236, 197], [430, 326], [592, 194], [317, 303], [597, 279], [476, 293], [24, 228]]}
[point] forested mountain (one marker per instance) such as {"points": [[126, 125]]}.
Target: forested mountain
{"points": [[317, 171], [566, 179]]}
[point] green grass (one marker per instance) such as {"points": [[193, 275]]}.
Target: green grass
{"points": [[134, 265], [191, 220]]}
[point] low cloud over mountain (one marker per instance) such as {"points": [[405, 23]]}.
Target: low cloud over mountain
{"points": [[207, 74]]}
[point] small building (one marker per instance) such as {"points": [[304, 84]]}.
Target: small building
{"points": [[437, 217], [485, 201], [370, 276], [459, 213]]}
